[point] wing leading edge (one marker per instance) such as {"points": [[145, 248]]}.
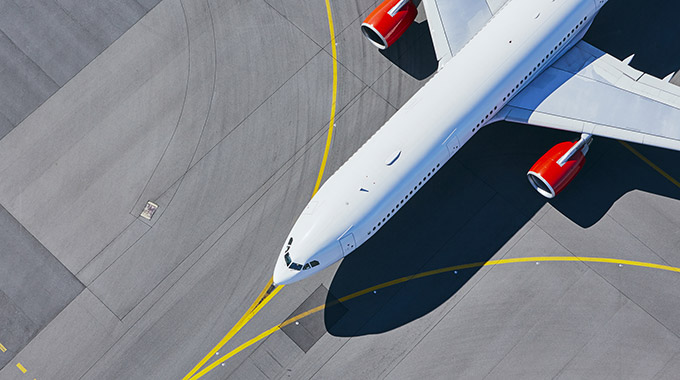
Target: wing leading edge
{"points": [[588, 91]]}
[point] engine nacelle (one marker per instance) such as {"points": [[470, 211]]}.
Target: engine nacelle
{"points": [[548, 177], [388, 22]]}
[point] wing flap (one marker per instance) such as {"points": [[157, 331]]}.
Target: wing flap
{"points": [[588, 91]]}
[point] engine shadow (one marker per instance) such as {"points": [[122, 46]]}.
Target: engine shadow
{"points": [[414, 52], [474, 206]]}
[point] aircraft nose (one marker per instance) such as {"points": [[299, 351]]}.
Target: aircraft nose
{"points": [[283, 275]]}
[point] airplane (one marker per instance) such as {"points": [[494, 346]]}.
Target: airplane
{"points": [[516, 60]]}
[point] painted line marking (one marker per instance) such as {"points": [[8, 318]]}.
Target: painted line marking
{"points": [[331, 124], [254, 308], [257, 305], [21, 368], [2, 348], [650, 163], [454, 269]]}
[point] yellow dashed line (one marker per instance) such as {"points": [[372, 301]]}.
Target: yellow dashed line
{"points": [[400, 280], [650, 163], [2, 348], [21, 368]]}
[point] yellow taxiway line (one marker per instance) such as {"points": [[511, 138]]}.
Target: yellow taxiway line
{"points": [[259, 301], [400, 280], [331, 124]]}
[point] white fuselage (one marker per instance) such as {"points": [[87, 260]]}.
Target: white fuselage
{"points": [[522, 39]]}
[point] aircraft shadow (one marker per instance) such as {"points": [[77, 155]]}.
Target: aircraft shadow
{"points": [[468, 212], [477, 202]]}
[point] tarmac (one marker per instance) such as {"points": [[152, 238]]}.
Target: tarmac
{"points": [[218, 113]]}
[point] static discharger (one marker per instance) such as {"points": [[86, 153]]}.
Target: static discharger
{"points": [[149, 210]]}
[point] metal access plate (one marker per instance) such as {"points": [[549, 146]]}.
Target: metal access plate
{"points": [[308, 330], [149, 210]]}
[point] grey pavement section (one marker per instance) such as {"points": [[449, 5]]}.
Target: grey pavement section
{"points": [[231, 152], [34, 286], [44, 43], [307, 331]]}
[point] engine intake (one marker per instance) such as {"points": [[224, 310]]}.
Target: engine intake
{"points": [[558, 167], [388, 22]]}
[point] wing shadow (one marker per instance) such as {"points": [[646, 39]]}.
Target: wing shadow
{"points": [[474, 206]]}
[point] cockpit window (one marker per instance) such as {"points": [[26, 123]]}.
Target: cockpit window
{"points": [[313, 263], [290, 263], [307, 266], [295, 266]]}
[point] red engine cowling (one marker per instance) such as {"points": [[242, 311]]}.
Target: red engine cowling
{"points": [[383, 29], [548, 177]]}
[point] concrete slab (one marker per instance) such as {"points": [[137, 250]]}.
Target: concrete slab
{"points": [[248, 76], [25, 85], [85, 155], [66, 348], [65, 37], [30, 276], [43, 43], [196, 107], [577, 316], [16, 329], [307, 331], [670, 370], [5, 126], [226, 208], [34, 286], [632, 345], [196, 311], [194, 216], [506, 308], [345, 13]]}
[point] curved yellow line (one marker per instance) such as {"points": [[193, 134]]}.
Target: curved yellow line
{"points": [[400, 280], [254, 308], [257, 305], [331, 124]]}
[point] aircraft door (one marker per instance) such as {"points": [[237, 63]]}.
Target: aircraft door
{"points": [[348, 244]]}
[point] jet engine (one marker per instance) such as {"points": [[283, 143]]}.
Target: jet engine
{"points": [[388, 22], [553, 172]]}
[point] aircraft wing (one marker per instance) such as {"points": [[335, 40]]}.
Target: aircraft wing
{"points": [[453, 23], [588, 91]]}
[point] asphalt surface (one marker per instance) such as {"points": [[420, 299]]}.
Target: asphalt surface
{"points": [[218, 113]]}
